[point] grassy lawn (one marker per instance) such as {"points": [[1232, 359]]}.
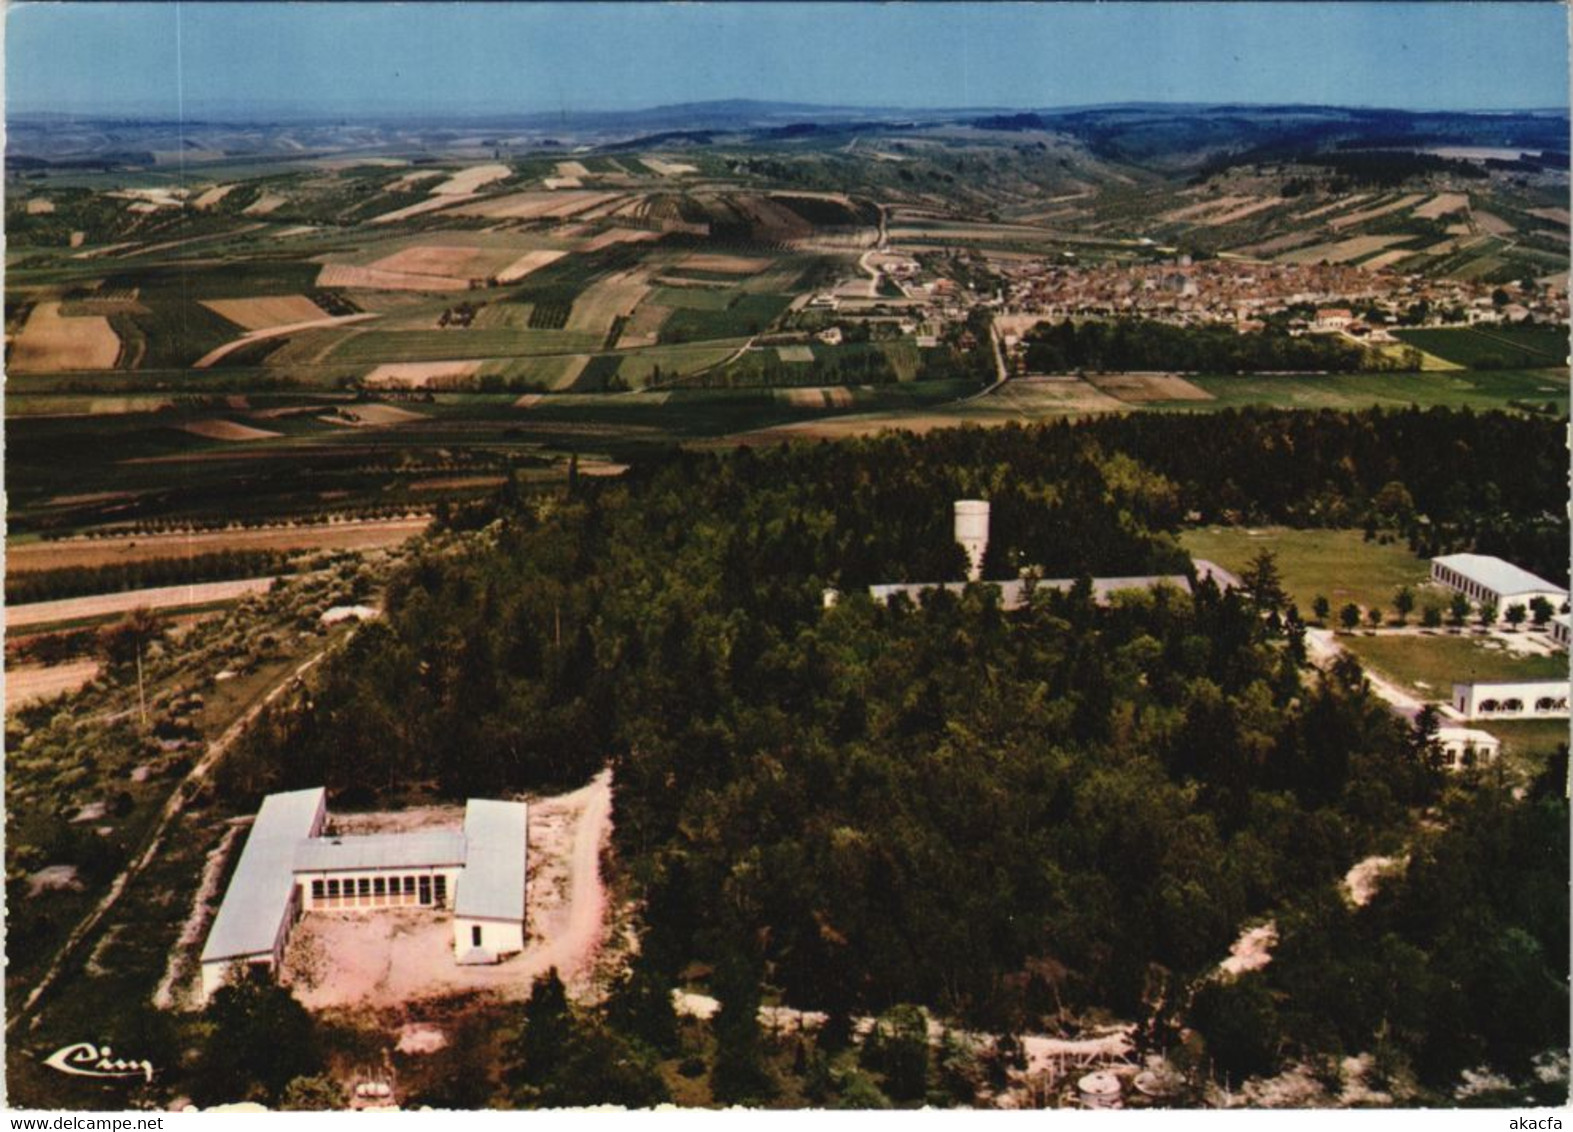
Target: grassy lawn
{"points": [[1527, 743], [1477, 389], [1341, 565], [1431, 665]]}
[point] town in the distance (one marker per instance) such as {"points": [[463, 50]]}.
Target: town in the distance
{"points": [[788, 605]]}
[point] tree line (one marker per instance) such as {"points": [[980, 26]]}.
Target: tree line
{"points": [[1011, 818], [1126, 344]]}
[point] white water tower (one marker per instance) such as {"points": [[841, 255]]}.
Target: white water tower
{"points": [[972, 532]]}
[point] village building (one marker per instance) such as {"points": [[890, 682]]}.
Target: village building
{"points": [[290, 866], [1483, 578], [1511, 699]]}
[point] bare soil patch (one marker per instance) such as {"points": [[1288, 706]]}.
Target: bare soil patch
{"points": [[388, 957], [1442, 204], [266, 203], [348, 275], [212, 196], [50, 343], [1139, 388], [219, 429], [420, 375], [467, 181], [572, 169], [30, 682], [366, 534], [263, 313], [376, 415], [426, 259], [40, 206], [108, 605], [617, 236], [534, 205], [528, 262], [1352, 218], [727, 264], [667, 168]]}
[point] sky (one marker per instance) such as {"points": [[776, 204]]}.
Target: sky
{"points": [[384, 58]]}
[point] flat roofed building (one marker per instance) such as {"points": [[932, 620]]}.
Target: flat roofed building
{"points": [[262, 902], [1512, 699], [1561, 628], [1484, 578], [288, 867], [1465, 746]]}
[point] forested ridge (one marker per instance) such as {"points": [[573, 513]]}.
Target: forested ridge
{"points": [[1012, 819]]}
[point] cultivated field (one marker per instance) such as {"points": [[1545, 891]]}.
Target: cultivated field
{"points": [[1142, 388], [218, 429], [362, 534], [466, 183], [528, 262], [535, 205], [30, 682], [110, 605], [50, 343], [420, 375], [1442, 204], [264, 313]]}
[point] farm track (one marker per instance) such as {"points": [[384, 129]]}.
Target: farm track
{"points": [[173, 808]]}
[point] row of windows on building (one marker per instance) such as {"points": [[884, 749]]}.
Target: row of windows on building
{"points": [[380, 892], [1545, 703], [1472, 590]]}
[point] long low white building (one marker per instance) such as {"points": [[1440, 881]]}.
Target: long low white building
{"points": [[1483, 578], [289, 867], [1511, 699]]}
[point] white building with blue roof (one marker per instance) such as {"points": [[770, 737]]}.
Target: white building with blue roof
{"points": [[290, 867]]}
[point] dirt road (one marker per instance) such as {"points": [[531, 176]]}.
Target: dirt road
{"points": [[172, 810]]}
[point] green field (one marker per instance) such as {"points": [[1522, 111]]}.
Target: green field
{"points": [[447, 345], [1455, 389], [1527, 742], [1431, 662], [1498, 347], [1341, 565], [746, 315]]}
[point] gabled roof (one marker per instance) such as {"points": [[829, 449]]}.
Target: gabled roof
{"points": [[257, 899], [381, 851], [1496, 575], [497, 843]]}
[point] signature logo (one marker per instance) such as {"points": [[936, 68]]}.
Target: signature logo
{"points": [[84, 1059]]}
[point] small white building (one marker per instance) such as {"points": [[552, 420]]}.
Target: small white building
{"points": [[1484, 578], [290, 867], [1466, 747], [1512, 699], [1561, 628]]}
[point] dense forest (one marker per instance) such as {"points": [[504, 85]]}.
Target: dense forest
{"points": [[1145, 344], [1011, 818]]}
